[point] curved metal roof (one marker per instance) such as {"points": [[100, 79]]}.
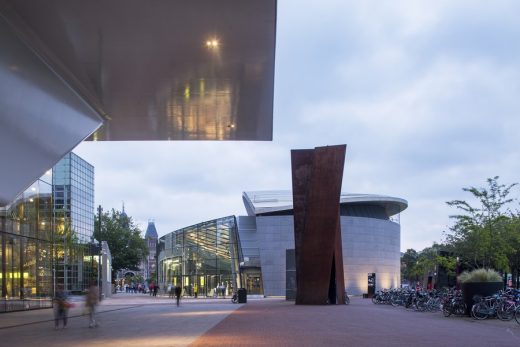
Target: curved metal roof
{"points": [[269, 201]]}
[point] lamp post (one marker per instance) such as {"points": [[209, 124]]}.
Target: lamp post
{"points": [[457, 272], [100, 210]]}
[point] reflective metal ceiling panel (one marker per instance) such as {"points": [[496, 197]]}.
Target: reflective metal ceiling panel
{"points": [[41, 117], [163, 69]]}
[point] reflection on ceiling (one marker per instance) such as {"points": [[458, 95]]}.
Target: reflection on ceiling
{"points": [[140, 69], [161, 70]]}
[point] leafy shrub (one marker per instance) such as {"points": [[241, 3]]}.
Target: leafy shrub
{"points": [[480, 275]]}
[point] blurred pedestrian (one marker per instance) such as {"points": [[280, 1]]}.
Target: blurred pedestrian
{"points": [[61, 307], [91, 302], [178, 292]]}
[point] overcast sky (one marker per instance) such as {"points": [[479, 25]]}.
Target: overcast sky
{"points": [[426, 95]]}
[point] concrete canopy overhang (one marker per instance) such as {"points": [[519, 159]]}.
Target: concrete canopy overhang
{"points": [[146, 69]]}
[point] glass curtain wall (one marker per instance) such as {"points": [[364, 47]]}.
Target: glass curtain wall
{"points": [[202, 259], [26, 232], [73, 192]]}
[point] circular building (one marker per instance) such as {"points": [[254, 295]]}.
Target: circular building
{"points": [[370, 233]]}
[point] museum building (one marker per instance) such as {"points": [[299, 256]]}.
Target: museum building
{"points": [[251, 251], [46, 237]]}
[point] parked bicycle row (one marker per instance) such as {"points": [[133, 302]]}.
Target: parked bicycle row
{"points": [[417, 300], [504, 305]]}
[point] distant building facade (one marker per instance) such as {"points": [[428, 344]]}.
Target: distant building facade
{"points": [[149, 265], [73, 194]]}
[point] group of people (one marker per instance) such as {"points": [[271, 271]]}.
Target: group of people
{"points": [[153, 289], [62, 306]]}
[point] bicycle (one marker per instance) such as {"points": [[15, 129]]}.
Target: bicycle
{"points": [[454, 303], [347, 299], [485, 307]]}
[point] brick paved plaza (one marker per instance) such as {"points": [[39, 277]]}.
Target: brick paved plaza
{"points": [[141, 320]]}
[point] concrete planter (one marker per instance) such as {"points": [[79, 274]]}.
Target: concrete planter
{"points": [[471, 289]]}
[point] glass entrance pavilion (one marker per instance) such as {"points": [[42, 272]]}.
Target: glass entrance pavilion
{"points": [[203, 259]]}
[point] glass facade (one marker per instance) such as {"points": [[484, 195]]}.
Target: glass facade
{"points": [[203, 259], [73, 193], [45, 236], [26, 232]]}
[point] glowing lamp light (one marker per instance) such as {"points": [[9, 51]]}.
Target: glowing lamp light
{"points": [[212, 43]]}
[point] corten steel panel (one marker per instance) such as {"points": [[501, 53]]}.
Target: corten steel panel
{"points": [[317, 176], [301, 161]]}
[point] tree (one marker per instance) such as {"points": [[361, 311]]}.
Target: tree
{"points": [[408, 264], [512, 242], [127, 247], [478, 235]]}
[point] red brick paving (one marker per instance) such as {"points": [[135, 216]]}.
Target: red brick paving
{"points": [[281, 323]]}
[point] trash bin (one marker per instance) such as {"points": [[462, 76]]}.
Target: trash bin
{"points": [[242, 295]]}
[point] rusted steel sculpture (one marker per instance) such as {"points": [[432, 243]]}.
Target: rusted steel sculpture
{"points": [[317, 176]]}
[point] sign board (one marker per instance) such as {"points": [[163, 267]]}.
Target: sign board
{"points": [[371, 283]]}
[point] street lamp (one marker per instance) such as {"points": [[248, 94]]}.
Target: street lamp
{"points": [[457, 271], [100, 210]]}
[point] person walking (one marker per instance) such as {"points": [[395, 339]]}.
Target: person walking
{"points": [[178, 292], [61, 307], [91, 302]]}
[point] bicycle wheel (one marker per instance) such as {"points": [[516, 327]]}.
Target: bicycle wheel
{"points": [[347, 299], [376, 299], [506, 311], [479, 311], [517, 315], [460, 308], [420, 305], [447, 309], [395, 302]]}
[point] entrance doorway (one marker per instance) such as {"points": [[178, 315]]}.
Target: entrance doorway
{"points": [[254, 283]]}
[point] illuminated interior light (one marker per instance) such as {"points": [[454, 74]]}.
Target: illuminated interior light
{"points": [[31, 200]]}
